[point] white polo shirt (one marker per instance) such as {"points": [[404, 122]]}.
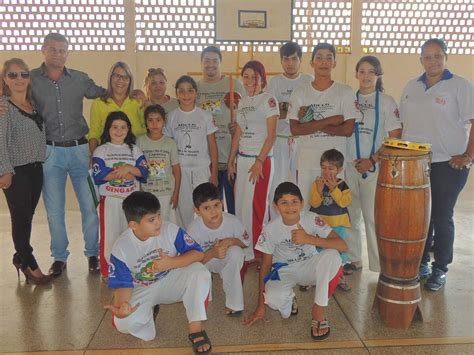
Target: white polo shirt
{"points": [[439, 115]]}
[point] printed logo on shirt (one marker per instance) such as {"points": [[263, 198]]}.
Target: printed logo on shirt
{"points": [[188, 240], [146, 275], [111, 270], [440, 100], [246, 236], [319, 222], [396, 113], [356, 105], [122, 182], [272, 102], [213, 106], [157, 169], [261, 240]]}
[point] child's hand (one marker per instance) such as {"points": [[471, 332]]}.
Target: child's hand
{"points": [[256, 171], [163, 263], [220, 249], [302, 111], [258, 314], [232, 127], [331, 182], [320, 185], [231, 170], [213, 179], [123, 311], [174, 200], [123, 171], [299, 235]]}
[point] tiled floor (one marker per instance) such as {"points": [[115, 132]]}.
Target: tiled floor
{"points": [[67, 317]]}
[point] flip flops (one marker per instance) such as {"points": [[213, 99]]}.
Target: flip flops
{"points": [[320, 325], [197, 344]]}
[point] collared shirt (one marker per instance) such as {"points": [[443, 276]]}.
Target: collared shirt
{"points": [[61, 102]]}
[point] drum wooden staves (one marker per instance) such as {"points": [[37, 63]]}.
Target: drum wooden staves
{"points": [[402, 214]]}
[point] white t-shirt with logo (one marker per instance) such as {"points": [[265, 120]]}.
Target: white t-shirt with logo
{"points": [[211, 98], [338, 99], [389, 120], [131, 259], [281, 87], [190, 131], [230, 227], [276, 238], [439, 115], [252, 118]]}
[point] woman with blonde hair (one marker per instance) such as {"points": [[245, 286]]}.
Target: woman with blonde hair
{"points": [[22, 152], [155, 90]]}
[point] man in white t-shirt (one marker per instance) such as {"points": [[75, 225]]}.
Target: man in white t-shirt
{"points": [[212, 89], [327, 119], [281, 86]]}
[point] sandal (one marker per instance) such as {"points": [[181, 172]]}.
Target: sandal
{"points": [[305, 288], [343, 285], [294, 307], [231, 313], [349, 268], [198, 343], [320, 325]]}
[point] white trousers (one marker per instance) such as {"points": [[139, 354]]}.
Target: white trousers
{"points": [[318, 271], [190, 285], [112, 223], [284, 162], [362, 210], [229, 271], [190, 179], [251, 200], [166, 212], [304, 180]]}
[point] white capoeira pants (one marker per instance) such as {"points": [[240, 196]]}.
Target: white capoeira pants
{"points": [[362, 208], [304, 180], [112, 223], [190, 285], [319, 270], [284, 162], [166, 212], [251, 200], [229, 271], [190, 179]]}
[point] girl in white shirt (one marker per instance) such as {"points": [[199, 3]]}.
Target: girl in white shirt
{"points": [[252, 142]]}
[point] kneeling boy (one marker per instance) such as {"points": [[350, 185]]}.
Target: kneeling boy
{"points": [[156, 262], [222, 237], [290, 258]]}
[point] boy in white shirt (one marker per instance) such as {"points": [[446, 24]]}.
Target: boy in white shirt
{"points": [[222, 237], [290, 258], [156, 262]]}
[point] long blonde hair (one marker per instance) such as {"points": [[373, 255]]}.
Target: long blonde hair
{"points": [[124, 66], [6, 66]]}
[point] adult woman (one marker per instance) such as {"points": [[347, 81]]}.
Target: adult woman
{"points": [[437, 108], [22, 151], [116, 98], [155, 90], [253, 143], [379, 119]]}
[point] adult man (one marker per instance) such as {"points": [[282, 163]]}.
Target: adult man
{"points": [[329, 118], [59, 92], [212, 89], [281, 86]]}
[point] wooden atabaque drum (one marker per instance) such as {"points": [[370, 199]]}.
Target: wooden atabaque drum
{"points": [[402, 215]]}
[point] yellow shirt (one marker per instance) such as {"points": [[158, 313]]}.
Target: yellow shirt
{"points": [[100, 110]]}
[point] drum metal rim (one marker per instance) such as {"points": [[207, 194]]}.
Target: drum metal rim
{"points": [[397, 302], [403, 157], [401, 241], [412, 287], [403, 187]]}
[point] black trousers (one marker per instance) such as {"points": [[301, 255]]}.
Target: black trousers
{"points": [[22, 198]]}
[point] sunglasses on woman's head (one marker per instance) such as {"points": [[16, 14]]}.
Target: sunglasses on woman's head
{"points": [[13, 75]]}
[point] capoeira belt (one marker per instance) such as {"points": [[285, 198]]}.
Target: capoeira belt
{"points": [[273, 274], [250, 156]]}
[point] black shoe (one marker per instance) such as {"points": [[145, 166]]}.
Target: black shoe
{"points": [[437, 280], [93, 264], [156, 310], [57, 268]]}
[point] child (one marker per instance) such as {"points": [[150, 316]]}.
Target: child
{"points": [[222, 237], [118, 167], [330, 197], [290, 258], [161, 153], [193, 130], [156, 262]]}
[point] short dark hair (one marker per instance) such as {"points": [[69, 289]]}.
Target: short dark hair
{"points": [[205, 192], [289, 48], [138, 204], [54, 36], [324, 45], [211, 49], [439, 42], [287, 188], [186, 79], [333, 156], [155, 109]]}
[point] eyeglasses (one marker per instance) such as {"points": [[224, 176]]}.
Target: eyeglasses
{"points": [[13, 75], [117, 76]]}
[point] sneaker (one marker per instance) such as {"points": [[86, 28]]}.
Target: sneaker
{"points": [[437, 280], [424, 272]]}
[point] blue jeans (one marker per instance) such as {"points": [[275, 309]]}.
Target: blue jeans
{"points": [[227, 190], [61, 161], [446, 184]]}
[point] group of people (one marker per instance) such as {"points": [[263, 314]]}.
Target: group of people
{"points": [[297, 167]]}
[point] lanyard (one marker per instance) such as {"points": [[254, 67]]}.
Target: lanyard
{"points": [[376, 128]]}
